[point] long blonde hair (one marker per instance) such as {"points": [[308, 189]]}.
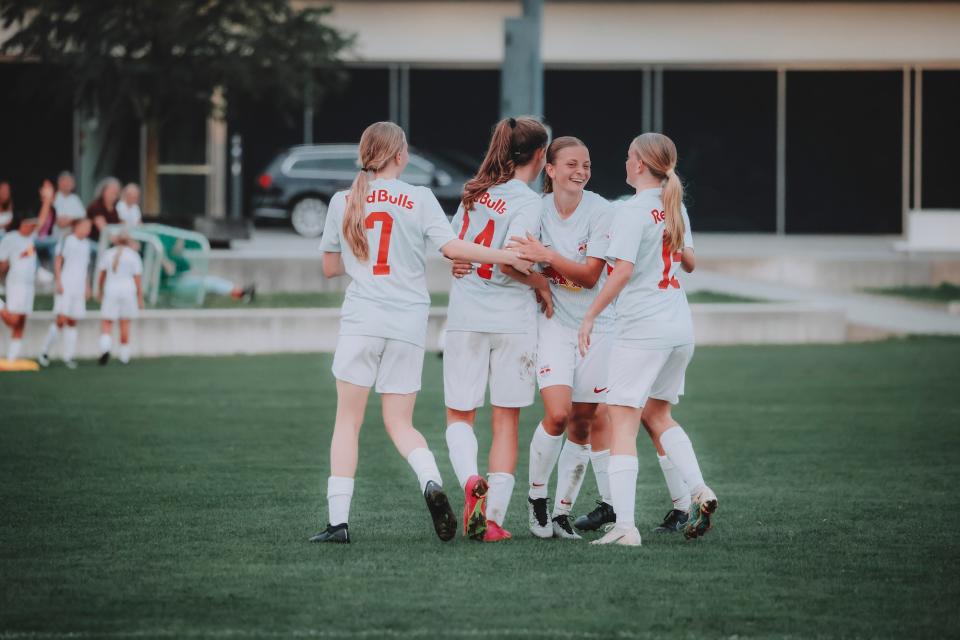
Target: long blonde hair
{"points": [[660, 155], [513, 144], [379, 144]]}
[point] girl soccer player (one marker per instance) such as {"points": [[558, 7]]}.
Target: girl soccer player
{"points": [[653, 333], [377, 234], [575, 234], [18, 265], [120, 293], [491, 323], [72, 291]]}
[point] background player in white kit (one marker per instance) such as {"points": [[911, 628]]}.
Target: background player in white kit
{"points": [[72, 290], [120, 271], [575, 234], [491, 323], [18, 267], [653, 334], [385, 225]]}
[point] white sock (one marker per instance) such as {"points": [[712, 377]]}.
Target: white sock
{"points": [[498, 496], [623, 487], [425, 466], [600, 460], [124, 353], [13, 350], [544, 450], [339, 493], [679, 492], [462, 445], [69, 343], [51, 336], [106, 342], [571, 468], [678, 447]]}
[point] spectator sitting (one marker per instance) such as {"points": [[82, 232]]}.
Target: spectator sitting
{"points": [[67, 204], [103, 209], [129, 206]]}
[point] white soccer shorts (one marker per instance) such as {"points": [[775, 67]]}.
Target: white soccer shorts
{"points": [[394, 366], [70, 304], [472, 359], [636, 374], [119, 306], [19, 298], [559, 361]]}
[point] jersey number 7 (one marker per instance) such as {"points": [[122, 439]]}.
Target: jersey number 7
{"points": [[484, 238], [381, 268]]}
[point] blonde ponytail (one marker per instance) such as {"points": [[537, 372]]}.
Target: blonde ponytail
{"points": [[660, 155], [380, 143]]}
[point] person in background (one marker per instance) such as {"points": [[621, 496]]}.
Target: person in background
{"points": [[67, 204], [120, 293], [128, 208], [175, 276], [73, 289], [18, 268], [6, 207], [103, 210]]}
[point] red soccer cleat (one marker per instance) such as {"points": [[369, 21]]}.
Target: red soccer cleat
{"points": [[475, 508], [495, 533]]}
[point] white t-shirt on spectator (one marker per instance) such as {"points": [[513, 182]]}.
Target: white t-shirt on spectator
{"points": [[129, 214]]}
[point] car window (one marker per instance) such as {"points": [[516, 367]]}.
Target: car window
{"points": [[323, 163], [418, 171]]}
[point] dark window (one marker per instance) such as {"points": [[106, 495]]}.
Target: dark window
{"points": [[844, 142], [724, 124], [602, 108], [941, 140], [452, 112], [344, 112]]}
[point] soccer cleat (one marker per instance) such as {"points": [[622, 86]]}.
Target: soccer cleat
{"points": [[495, 533], [339, 534], [44, 360], [444, 522], [475, 508], [249, 294], [704, 506], [539, 522], [601, 515], [70, 364], [562, 528], [104, 358], [625, 536], [673, 521]]}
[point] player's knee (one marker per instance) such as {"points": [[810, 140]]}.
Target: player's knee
{"points": [[555, 419]]}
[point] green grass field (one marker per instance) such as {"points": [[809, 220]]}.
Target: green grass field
{"points": [[173, 498]]}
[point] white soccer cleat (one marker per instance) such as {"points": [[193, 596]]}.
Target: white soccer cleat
{"points": [[539, 521], [625, 536], [562, 528], [701, 515]]}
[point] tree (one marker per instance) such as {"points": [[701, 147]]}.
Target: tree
{"points": [[171, 57]]}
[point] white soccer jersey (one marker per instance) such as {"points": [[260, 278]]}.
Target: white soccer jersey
{"points": [[120, 281], [652, 308], [486, 300], [76, 259], [387, 297], [585, 234], [20, 252]]}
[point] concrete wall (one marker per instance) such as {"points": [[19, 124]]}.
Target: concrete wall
{"points": [[631, 33], [250, 331]]}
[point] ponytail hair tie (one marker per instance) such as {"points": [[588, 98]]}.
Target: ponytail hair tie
{"points": [[512, 122], [369, 169]]}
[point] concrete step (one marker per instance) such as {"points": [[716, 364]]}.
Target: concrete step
{"points": [[251, 331]]}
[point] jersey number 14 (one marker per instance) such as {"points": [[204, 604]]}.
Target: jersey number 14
{"points": [[484, 238]]}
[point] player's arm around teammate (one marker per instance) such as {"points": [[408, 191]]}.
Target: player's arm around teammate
{"points": [[654, 334], [491, 324], [377, 234], [575, 234]]}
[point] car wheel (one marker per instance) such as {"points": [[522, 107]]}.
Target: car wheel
{"points": [[309, 216]]}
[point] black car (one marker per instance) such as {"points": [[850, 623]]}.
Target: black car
{"points": [[298, 184]]}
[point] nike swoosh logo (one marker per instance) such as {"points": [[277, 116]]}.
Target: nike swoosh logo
{"points": [[600, 390], [565, 502], [535, 484]]}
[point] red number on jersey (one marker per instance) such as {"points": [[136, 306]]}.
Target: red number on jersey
{"points": [[484, 238], [668, 258], [381, 268]]}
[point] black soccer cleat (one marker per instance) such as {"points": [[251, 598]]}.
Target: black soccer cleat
{"points": [[339, 534], [601, 515], [562, 528], [104, 358], [538, 518], [249, 293], [673, 522], [444, 522]]}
